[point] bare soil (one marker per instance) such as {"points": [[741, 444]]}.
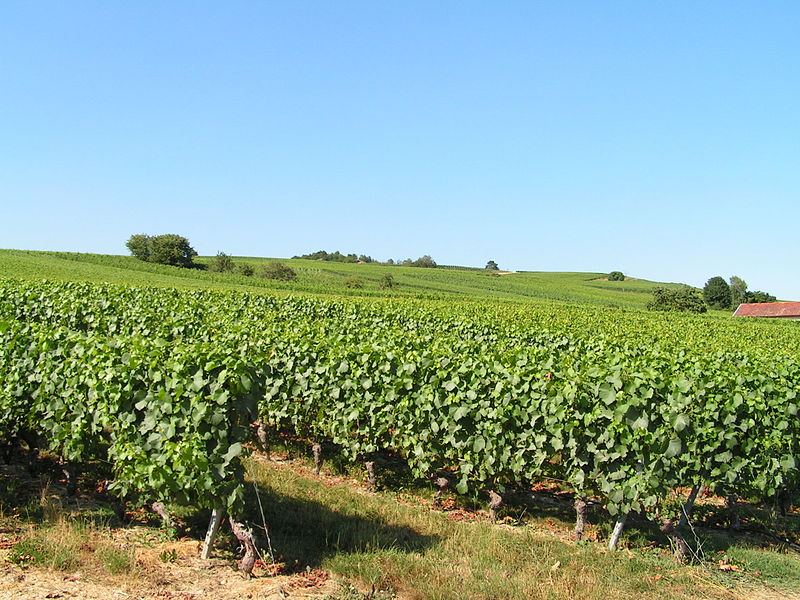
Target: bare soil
{"points": [[186, 578], [165, 569]]}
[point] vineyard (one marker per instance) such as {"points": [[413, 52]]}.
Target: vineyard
{"points": [[173, 388], [324, 278]]}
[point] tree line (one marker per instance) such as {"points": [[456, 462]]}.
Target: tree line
{"points": [[717, 294], [424, 261]]}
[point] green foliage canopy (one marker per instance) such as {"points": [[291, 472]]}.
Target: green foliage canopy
{"points": [[682, 299], [337, 257], [387, 282], [758, 296], [167, 249], [278, 270], [354, 282], [177, 377], [738, 287], [717, 293], [245, 269], [425, 262], [221, 263]]}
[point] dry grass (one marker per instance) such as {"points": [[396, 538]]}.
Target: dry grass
{"points": [[64, 545], [422, 554], [389, 544]]}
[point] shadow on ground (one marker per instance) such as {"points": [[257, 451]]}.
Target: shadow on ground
{"points": [[305, 532]]}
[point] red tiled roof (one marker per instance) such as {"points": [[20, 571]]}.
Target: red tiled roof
{"points": [[769, 309]]}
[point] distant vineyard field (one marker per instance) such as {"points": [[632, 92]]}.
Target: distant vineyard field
{"points": [[327, 278]]}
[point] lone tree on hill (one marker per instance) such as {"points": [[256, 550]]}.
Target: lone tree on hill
{"points": [[167, 249], [717, 293], [492, 266], [616, 276]]}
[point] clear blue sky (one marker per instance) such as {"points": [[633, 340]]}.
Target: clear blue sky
{"points": [[657, 138]]}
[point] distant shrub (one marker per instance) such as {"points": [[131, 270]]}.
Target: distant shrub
{"points": [[354, 282], [245, 269], [616, 276], [278, 270], [388, 282], [221, 263], [682, 299], [491, 266]]}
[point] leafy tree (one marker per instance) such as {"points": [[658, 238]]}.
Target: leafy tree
{"points": [[139, 245], [424, 261], [753, 297], [717, 293], [492, 266], [738, 288], [616, 276], [167, 249], [171, 249], [388, 282], [682, 299], [390, 262], [221, 263], [278, 270], [407, 263]]}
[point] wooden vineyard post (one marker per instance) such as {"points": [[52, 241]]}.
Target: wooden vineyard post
{"points": [[618, 527], [620, 524], [580, 517], [213, 529], [686, 510], [372, 477], [316, 449]]}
